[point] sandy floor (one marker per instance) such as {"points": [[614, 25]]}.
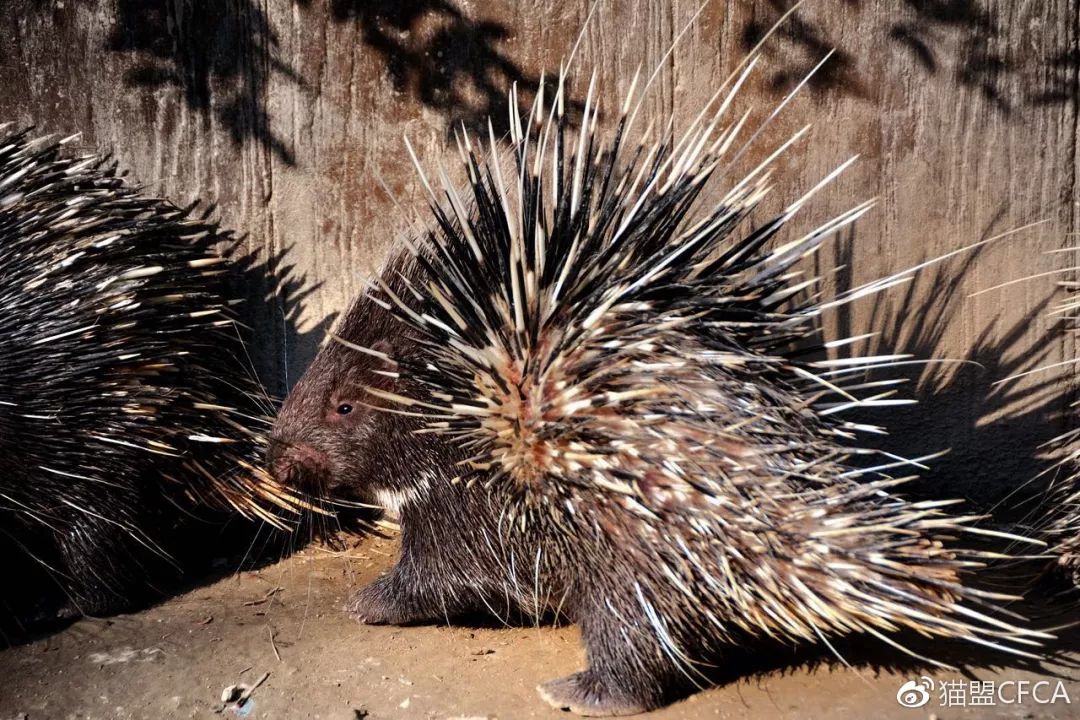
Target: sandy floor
{"points": [[283, 625]]}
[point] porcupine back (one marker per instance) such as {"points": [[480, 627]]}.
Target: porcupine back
{"points": [[126, 406], [616, 356]]}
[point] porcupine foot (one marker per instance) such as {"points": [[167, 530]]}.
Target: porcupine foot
{"points": [[398, 599], [584, 693], [382, 603]]}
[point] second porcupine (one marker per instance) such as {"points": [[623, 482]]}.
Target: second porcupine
{"points": [[579, 393], [128, 415]]}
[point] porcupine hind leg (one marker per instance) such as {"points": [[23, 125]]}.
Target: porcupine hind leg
{"points": [[628, 672], [391, 600]]}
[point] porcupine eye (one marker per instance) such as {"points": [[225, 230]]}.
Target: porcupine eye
{"points": [[342, 409]]}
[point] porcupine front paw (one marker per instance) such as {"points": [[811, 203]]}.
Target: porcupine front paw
{"points": [[586, 694], [379, 604]]}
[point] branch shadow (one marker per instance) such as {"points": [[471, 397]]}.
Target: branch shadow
{"points": [[963, 39], [451, 63], [220, 55]]}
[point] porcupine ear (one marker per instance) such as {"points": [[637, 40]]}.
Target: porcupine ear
{"points": [[386, 348], [376, 371], [386, 367]]}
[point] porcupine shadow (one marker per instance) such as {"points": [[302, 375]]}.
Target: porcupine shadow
{"points": [[275, 297], [960, 38], [985, 462], [998, 468], [205, 545], [994, 431]]}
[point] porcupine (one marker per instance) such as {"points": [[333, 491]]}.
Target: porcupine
{"points": [[584, 395], [1056, 519], [126, 404], [1058, 522]]}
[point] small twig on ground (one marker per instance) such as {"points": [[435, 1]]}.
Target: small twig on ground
{"points": [[273, 644], [269, 594]]}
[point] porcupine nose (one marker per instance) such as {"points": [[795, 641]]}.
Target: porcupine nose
{"points": [[295, 463]]}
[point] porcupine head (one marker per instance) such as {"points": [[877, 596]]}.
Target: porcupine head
{"points": [[331, 437]]}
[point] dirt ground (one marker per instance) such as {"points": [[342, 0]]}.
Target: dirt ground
{"points": [[283, 626]]}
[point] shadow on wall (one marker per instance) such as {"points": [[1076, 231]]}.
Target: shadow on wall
{"points": [[962, 38], [985, 461], [221, 56], [275, 298], [451, 63]]}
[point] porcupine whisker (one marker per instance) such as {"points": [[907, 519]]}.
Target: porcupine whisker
{"points": [[267, 403]]}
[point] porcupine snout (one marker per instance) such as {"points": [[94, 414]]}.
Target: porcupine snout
{"points": [[297, 464]]}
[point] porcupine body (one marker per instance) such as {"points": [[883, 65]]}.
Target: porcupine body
{"points": [[127, 409], [580, 393]]}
